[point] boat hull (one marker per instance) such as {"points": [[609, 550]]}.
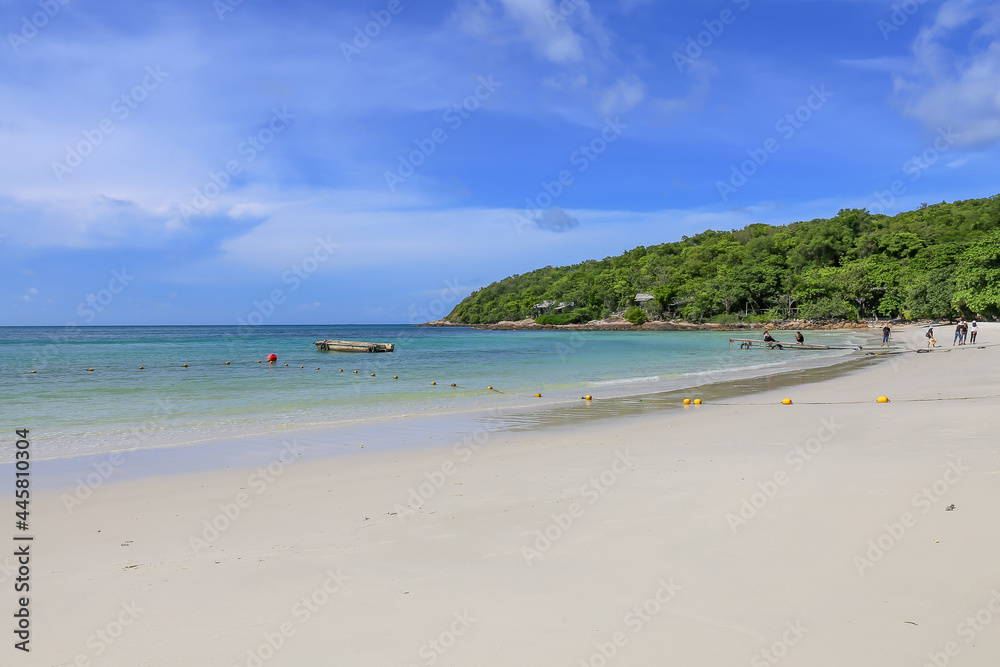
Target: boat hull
{"points": [[353, 346]]}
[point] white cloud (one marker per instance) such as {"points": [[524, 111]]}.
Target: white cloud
{"points": [[586, 65], [622, 96], [541, 23], [956, 74]]}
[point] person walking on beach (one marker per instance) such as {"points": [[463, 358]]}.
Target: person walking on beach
{"points": [[886, 331], [965, 331], [974, 331], [958, 334], [930, 337]]}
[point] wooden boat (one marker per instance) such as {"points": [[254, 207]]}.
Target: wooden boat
{"points": [[750, 343], [353, 346]]}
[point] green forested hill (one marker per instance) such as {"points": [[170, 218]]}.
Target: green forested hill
{"points": [[938, 261]]}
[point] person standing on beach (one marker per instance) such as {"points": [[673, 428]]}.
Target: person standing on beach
{"points": [[975, 330], [886, 331], [958, 334]]}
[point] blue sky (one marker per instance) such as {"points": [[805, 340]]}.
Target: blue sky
{"points": [[217, 162]]}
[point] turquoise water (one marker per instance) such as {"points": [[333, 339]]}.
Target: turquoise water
{"points": [[116, 406]]}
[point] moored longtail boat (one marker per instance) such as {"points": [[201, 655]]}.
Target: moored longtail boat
{"points": [[353, 346]]}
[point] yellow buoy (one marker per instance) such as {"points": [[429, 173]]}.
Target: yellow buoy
{"points": [[355, 371], [453, 384], [317, 368], [697, 401], [395, 377], [141, 367], [687, 401], [538, 395], [341, 370], [588, 397], [882, 399], [373, 375], [227, 363], [490, 387], [90, 369], [299, 366], [433, 383], [786, 401], [184, 365]]}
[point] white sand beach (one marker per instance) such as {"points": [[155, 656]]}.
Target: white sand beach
{"points": [[749, 533]]}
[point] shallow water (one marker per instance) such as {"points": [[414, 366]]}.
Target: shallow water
{"points": [[73, 411]]}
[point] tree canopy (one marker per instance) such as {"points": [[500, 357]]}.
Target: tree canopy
{"points": [[938, 261]]}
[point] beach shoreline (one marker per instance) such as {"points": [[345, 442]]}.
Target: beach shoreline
{"points": [[144, 398], [223, 449], [740, 526]]}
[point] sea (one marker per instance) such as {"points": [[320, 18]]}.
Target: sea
{"points": [[106, 389]]}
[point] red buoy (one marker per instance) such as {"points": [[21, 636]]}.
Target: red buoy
{"points": [[271, 358]]}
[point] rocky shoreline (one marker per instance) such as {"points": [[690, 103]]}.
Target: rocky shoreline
{"points": [[673, 325]]}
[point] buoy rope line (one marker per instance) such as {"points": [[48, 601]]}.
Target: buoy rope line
{"points": [[895, 400], [687, 402], [453, 385]]}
